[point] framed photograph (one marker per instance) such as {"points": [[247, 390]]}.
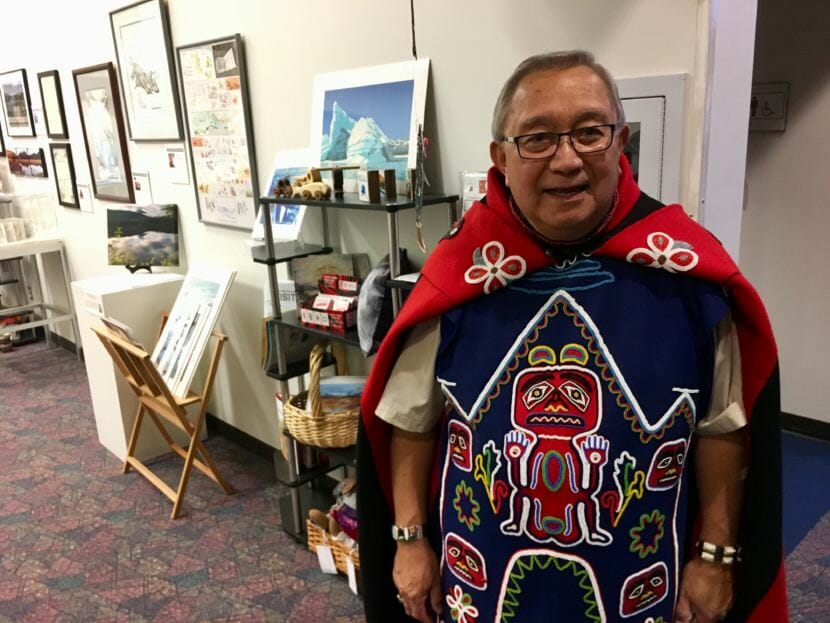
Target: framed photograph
{"points": [[17, 105], [369, 116], [768, 107], [52, 98], [146, 235], [141, 34], [84, 197], [103, 128], [29, 162], [217, 112], [64, 169]]}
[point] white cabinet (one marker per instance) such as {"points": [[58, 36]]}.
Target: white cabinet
{"points": [[137, 301]]}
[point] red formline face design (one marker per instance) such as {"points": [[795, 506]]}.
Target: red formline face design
{"points": [[465, 561]]}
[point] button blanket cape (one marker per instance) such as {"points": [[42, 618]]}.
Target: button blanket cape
{"points": [[640, 230]]}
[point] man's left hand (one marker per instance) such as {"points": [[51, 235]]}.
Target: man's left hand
{"points": [[705, 592]]}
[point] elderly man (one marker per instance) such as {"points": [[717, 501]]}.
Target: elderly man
{"points": [[570, 344]]}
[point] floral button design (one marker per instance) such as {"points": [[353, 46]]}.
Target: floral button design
{"points": [[493, 268], [666, 253], [461, 606]]}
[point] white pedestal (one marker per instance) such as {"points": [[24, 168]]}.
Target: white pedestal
{"points": [[137, 301]]}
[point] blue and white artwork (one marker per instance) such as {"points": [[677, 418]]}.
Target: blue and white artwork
{"points": [[369, 126], [369, 117], [286, 220]]}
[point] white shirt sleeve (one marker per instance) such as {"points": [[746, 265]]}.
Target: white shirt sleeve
{"points": [[412, 399], [726, 406]]}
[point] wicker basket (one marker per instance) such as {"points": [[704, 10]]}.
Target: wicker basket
{"points": [[341, 552], [304, 416]]}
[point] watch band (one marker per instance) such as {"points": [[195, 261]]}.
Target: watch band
{"points": [[407, 533], [720, 554]]}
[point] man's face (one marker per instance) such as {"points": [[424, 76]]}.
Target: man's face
{"points": [[564, 197]]}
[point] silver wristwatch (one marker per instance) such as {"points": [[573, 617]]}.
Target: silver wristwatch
{"points": [[407, 533]]}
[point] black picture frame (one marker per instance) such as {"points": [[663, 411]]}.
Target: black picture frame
{"points": [[66, 148], [6, 97], [89, 82], [2, 143], [59, 114], [139, 31], [222, 51]]}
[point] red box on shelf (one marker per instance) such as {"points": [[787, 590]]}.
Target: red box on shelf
{"points": [[344, 285], [338, 321]]}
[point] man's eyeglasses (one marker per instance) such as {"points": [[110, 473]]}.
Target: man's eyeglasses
{"points": [[541, 145]]}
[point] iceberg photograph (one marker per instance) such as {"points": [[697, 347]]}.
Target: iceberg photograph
{"points": [[369, 126]]}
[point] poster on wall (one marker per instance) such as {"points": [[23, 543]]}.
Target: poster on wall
{"points": [[85, 198], [141, 34], [17, 105], [370, 116], [103, 130], [176, 161], [141, 188], [218, 121]]}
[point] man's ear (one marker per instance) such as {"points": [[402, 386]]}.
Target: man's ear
{"points": [[624, 136], [498, 156]]}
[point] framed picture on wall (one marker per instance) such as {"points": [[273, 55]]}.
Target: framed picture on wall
{"points": [[64, 169], [52, 98], [141, 34], [217, 112], [17, 105], [27, 162], [103, 129]]}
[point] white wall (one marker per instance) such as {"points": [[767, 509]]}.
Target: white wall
{"points": [[473, 46], [784, 247]]}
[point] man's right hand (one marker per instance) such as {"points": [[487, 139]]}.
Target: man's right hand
{"points": [[418, 580]]}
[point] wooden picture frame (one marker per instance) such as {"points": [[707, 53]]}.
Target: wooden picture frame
{"points": [[214, 86], [16, 103], [51, 96], [103, 128], [63, 167], [143, 49]]}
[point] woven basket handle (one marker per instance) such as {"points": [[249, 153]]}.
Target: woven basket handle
{"points": [[315, 364]]}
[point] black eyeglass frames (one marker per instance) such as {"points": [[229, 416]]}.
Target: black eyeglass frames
{"points": [[541, 145]]}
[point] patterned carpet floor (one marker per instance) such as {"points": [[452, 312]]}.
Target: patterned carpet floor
{"points": [[80, 541]]}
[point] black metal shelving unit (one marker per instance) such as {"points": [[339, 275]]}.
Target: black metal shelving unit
{"points": [[310, 487]]}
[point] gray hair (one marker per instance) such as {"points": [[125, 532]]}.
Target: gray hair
{"points": [[546, 62]]}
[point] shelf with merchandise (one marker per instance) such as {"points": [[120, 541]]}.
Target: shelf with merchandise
{"points": [[305, 488]]}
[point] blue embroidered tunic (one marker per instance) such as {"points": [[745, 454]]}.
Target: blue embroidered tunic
{"points": [[573, 396]]}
